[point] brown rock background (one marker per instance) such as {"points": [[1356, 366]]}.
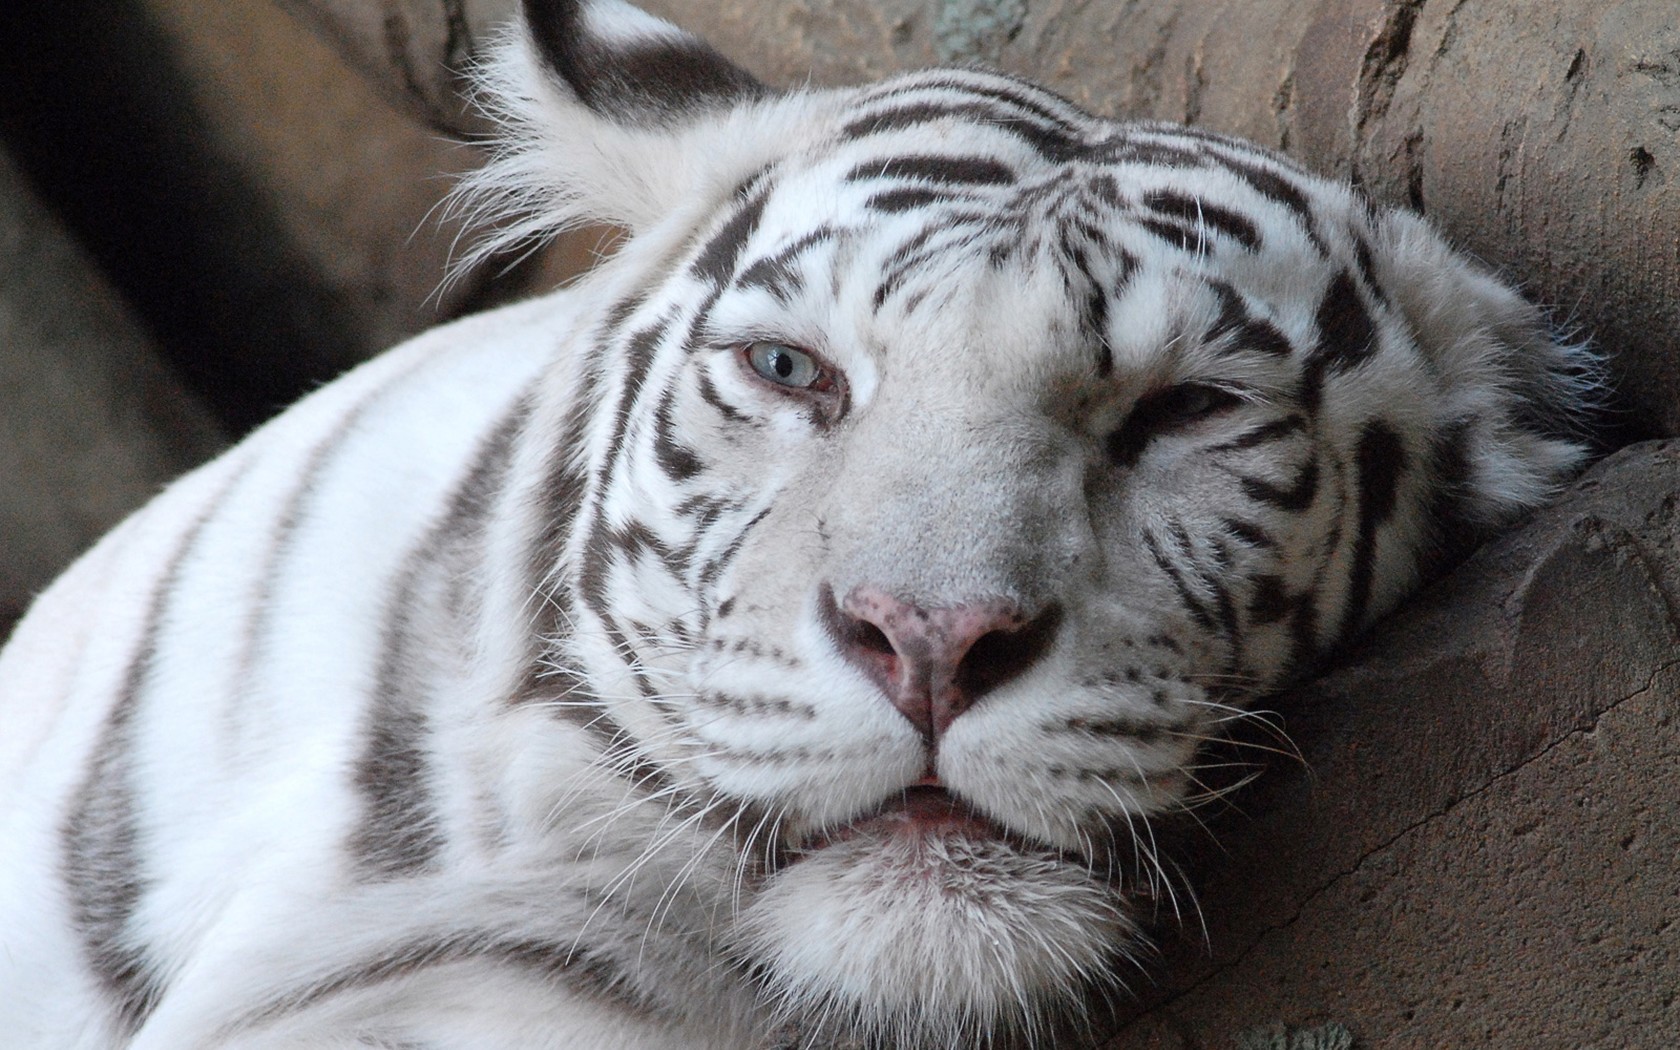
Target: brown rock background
{"points": [[1480, 844]]}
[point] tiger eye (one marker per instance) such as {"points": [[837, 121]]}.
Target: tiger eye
{"points": [[784, 365]]}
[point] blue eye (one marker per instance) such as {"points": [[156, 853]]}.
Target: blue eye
{"points": [[785, 365]]}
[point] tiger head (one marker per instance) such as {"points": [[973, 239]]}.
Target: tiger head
{"points": [[952, 463]]}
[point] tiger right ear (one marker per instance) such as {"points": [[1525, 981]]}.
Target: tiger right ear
{"points": [[608, 115], [628, 66]]}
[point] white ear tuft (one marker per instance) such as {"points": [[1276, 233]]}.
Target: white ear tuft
{"points": [[1515, 396]]}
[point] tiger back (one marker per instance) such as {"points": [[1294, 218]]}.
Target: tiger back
{"points": [[786, 635]]}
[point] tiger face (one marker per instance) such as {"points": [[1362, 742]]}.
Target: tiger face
{"points": [[956, 463]]}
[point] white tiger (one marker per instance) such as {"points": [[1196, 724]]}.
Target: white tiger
{"points": [[784, 636]]}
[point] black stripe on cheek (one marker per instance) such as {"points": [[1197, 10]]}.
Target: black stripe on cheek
{"points": [[1269, 602], [1265, 433], [1379, 463], [1199, 213], [1197, 610], [709, 394], [1248, 532], [676, 460], [712, 570], [103, 867]]}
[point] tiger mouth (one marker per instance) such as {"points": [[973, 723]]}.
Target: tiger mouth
{"points": [[919, 813]]}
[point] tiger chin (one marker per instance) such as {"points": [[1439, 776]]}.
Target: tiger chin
{"points": [[784, 636]]}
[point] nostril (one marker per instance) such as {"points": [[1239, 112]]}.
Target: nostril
{"points": [[1002, 655], [866, 635]]}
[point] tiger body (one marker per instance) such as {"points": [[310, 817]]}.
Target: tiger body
{"points": [[787, 633]]}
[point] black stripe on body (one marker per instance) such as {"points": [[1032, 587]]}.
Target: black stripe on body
{"points": [[1379, 463], [1125, 150], [558, 502], [561, 963], [254, 639], [400, 833], [103, 866], [649, 80]]}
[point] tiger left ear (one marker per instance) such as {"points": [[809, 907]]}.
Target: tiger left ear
{"points": [[631, 67]]}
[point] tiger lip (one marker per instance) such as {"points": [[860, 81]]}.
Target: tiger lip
{"points": [[921, 811]]}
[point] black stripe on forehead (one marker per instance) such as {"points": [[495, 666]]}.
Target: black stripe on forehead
{"points": [[717, 260], [941, 170], [910, 198], [1052, 142], [1244, 331], [1198, 212], [777, 273], [1019, 94]]}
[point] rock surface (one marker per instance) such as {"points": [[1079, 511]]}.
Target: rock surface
{"points": [[270, 217], [1478, 846], [91, 423], [1540, 134]]}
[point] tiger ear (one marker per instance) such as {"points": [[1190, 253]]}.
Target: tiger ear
{"points": [[1513, 412], [630, 67], [608, 115]]}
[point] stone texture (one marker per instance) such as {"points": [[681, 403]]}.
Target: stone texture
{"points": [[356, 184], [1541, 134], [268, 214], [1478, 846], [91, 424]]}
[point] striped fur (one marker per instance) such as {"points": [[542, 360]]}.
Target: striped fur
{"points": [[534, 685]]}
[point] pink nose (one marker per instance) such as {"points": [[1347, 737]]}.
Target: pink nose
{"points": [[933, 664]]}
